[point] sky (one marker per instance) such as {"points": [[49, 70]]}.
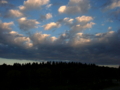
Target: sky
{"points": [[86, 31]]}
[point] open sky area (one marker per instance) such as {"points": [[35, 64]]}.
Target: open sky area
{"points": [[86, 31]]}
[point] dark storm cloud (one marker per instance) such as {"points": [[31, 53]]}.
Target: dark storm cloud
{"points": [[103, 49]]}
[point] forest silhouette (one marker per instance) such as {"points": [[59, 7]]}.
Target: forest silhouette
{"points": [[57, 76]]}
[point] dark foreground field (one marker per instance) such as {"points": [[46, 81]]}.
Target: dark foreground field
{"points": [[57, 76]]}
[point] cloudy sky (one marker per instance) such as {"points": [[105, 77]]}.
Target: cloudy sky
{"points": [[86, 31]]}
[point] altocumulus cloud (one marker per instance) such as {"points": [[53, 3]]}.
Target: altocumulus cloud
{"points": [[113, 4], [25, 24], [14, 13], [51, 25], [45, 17], [30, 4], [75, 6]]}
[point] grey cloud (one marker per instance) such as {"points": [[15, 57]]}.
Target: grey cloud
{"points": [[10, 37], [111, 4], [13, 14], [31, 5], [25, 24], [104, 49], [45, 17], [99, 49], [6, 4], [75, 6]]}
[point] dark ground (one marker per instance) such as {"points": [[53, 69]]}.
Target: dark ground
{"points": [[58, 76]]}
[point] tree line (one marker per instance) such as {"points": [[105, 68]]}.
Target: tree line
{"points": [[57, 76]]}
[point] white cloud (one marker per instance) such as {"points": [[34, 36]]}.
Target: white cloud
{"points": [[111, 32], [45, 17], [14, 33], [49, 5], [112, 5], [25, 24], [14, 13], [79, 34], [109, 28], [62, 9], [89, 25], [42, 39], [3, 2], [75, 6], [33, 4], [51, 25], [99, 34], [53, 39], [48, 15], [84, 19], [68, 20], [6, 26], [80, 27]]}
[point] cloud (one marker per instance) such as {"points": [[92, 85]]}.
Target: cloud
{"points": [[84, 19], [80, 47], [3, 2], [75, 6], [14, 33], [25, 24], [10, 37], [42, 39], [45, 17], [77, 28], [5, 6], [73, 44], [33, 4], [51, 25], [14, 13], [98, 34], [23, 42], [18, 40], [48, 15], [49, 5], [113, 4], [109, 28], [39, 38], [5, 26], [81, 23], [78, 39], [62, 9], [66, 21]]}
